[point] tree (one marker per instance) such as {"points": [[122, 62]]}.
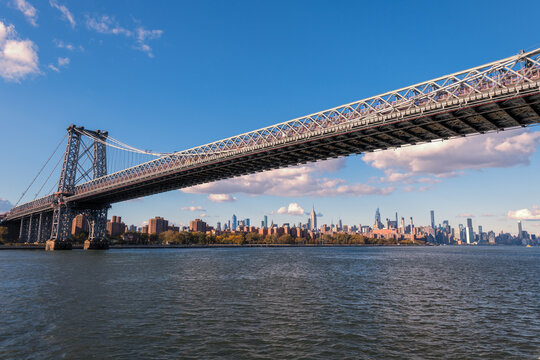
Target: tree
{"points": [[285, 239], [3, 235], [253, 238]]}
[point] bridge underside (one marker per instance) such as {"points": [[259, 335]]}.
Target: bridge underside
{"points": [[436, 124]]}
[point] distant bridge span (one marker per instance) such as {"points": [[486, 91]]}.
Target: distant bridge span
{"points": [[492, 97]]}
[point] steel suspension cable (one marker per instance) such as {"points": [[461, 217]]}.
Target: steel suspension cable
{"points": [[40, 170], [48, 177]]}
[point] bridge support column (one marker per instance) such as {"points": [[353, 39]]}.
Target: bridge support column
{"points": [[97, 239], [21, 230], [61, 229]]}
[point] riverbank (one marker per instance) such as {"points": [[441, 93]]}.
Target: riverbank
{"points": [[162, 246]]}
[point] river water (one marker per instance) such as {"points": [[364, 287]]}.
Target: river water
{"points": [[272, 303]]}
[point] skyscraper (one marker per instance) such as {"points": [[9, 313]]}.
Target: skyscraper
{"points": [[469, 233], [234, 222], [218, 226], [313, 219], [378, 223], [265, 221], [520, 230], [432, 219]]}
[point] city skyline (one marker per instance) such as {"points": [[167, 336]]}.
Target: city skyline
{"points": [[469, 226], [64, 77]]}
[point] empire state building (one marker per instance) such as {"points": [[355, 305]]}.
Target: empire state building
{"points": [[313, 219]]}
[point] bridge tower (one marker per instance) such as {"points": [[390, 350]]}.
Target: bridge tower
{"points": [[64, 211]]}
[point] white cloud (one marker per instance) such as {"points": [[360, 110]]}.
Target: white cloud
{"points": [[143, 36], [466, 215], [221, 198], [203, 215], [193, 208], [18, 58], [451, 158], [292, 209], [29, 12], [5, 205], [525, 214], [303, 180], [68, 46], [106, 24], [61, 62], [66, 14]]}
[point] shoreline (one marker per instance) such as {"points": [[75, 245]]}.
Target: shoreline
{"points": [[209, 246]]}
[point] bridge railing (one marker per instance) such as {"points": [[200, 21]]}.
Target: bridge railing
{"points": [[35, 204], [501, 74]]}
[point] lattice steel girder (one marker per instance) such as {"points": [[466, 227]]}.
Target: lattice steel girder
{"points": [[100, 155], [98, 224], [61, 222], [68, 174], [504, 80]]}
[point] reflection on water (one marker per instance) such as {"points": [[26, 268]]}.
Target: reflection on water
{"points": [[443, 302]]}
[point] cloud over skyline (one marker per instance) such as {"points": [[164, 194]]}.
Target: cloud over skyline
{"points": [[292, 209], [525, 214], [193, 208], [431, 162], [302, 180], [221, 198]]}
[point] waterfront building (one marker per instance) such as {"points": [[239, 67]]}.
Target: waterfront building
{"points": [[432, 219], [218, 226], [157, 225], [234, 222], [79, 224], [265, 221], [116, 226], [520, 230], [197, 225]]}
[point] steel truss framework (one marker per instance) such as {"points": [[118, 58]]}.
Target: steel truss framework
{"points": [[54, 222], [492, 97]]}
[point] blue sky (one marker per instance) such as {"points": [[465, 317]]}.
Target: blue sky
{"points": [[171, 75]]}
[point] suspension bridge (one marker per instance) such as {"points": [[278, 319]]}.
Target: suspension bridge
{"points": [[500, 95]]}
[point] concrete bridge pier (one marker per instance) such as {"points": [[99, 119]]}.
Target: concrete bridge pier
{"points": [[52, 244], [96, 244]]}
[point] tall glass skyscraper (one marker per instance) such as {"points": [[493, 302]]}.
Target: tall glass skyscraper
{"points": [[234, 222], [469, 233]]}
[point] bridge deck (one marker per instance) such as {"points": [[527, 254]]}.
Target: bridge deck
{"points": [[470, 104]]}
